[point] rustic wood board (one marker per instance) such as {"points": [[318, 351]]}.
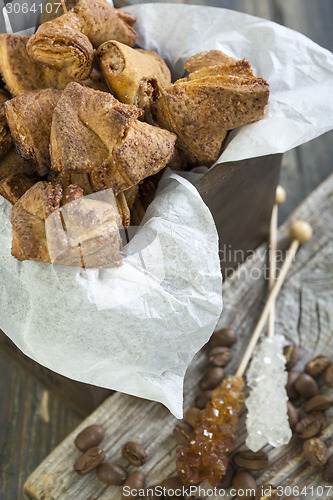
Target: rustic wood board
{"points": [[304, 316]]}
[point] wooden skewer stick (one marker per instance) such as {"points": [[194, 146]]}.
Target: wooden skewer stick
{"points": [[279, 199], [300, 232]]}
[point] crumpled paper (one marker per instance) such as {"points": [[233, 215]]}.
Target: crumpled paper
{"points": [[136, 328]]}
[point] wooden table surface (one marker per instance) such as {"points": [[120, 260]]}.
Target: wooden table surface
{"points": [[32, 422]]}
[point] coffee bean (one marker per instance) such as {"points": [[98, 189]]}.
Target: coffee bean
{"points": [[292, 354], [219, 356], [212, 378], [328, 376], [182, 432], [267, 492], [203, 398], [315, 452], [110, 473], [311, 425], [133, 484], [191, 416], [227, 479], [171, 486], [134, 453], [328, 470], [290, 388], [317, 365], [306, 386], [225, 337], [89, 437], [245, 485], [318, 403], [292, 414], [89, 461], [250, 460]]}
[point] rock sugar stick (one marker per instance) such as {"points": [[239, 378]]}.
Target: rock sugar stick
{"points": [[267, 418], [205, 455]]}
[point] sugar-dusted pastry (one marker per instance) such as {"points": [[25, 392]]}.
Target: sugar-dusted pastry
{"points": [[84, 234], [133, 74], [207, 59], [94, 133], [20, 73], [202, 107], [16, 176], [29, 117], [60, 44], [6, 141]]}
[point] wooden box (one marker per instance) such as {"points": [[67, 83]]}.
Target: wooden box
{"points": [[240, 196]]}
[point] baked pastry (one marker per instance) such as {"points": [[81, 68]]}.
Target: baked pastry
{"points": [[66, 43], [133, 75], [207, 59], [16, 176], [85, 232], [204, 106], [94, 133], [29, 117], [6, 141], [60, 44]]}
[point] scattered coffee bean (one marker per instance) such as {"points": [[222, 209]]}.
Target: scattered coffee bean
{"points": [[328, 470], [212, 378], [89, 437], [292, 354], [182, 432], [306, 386], [203, 398], [292, 414], [311, 425], [318, 403], [290, 388], [89, 461], [134, 453], [245, 485], [110, 473], [328, 376], [315, 452], [317, 365], [191, 416], [220, 356], [250, 460], [226, 481], [267, 492], [225, 337], [133, 484]]}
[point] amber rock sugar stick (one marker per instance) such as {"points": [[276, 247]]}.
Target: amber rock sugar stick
{"points": [[205, 456]]}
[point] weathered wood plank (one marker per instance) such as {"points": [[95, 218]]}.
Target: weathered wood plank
{"points": [[302, 315]]}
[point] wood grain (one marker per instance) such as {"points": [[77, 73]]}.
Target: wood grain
{"points": [[302, 312]]}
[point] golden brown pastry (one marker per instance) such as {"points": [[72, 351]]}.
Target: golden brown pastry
{"points": [[6, 141], [133, 74], [94, 133], [60, 44], [85, 233], [202, 107], [20, 73], [207, 59], [66, 43], [29, 117], [16, 176]]}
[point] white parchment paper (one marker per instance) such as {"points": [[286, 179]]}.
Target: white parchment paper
{"points": [[136, 328]]}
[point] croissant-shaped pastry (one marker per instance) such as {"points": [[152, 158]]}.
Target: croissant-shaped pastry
{"points": [[16, 176], [84, 234], [133, 74], [201, 108], [60, 44], [92, 132], [6, 141], [29, 117], [67, 42]]}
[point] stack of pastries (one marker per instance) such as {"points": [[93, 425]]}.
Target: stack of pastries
{"points": [[84, 112]]}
